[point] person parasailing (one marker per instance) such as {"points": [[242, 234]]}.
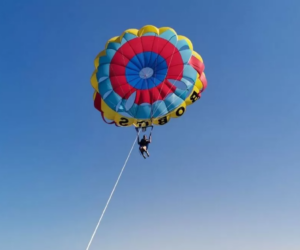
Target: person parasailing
{"points": [[143, 145]]}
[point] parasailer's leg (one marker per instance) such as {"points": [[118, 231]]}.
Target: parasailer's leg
{"points": [[147, 152], [142, 150]]}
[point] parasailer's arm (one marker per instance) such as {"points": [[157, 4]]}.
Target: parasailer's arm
{"points": [[138, 137], [150, 136]]}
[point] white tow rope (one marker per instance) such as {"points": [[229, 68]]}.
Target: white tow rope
{"points": [[111, 194]]}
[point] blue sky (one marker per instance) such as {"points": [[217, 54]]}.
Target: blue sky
{"points": [[224, 176]]}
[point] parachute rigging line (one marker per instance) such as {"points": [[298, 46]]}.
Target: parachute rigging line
{"points": [[111, 194]]}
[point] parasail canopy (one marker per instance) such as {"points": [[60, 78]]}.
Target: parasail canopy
{"points": [[146, 77]]}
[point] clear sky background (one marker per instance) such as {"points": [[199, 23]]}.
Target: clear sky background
{"points": [[225, 176]]}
